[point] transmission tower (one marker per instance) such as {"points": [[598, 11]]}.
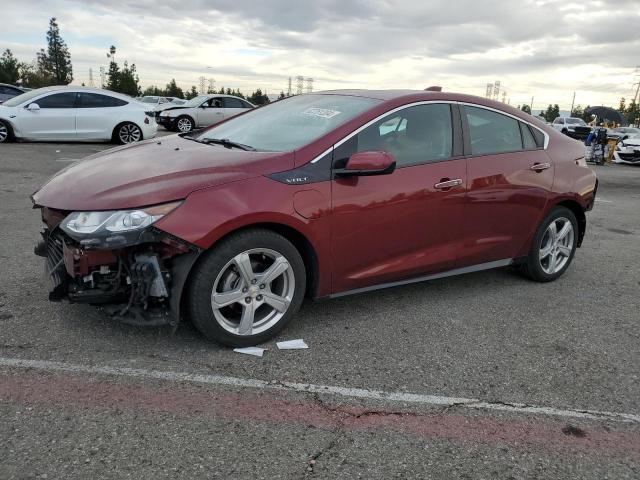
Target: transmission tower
{"points": [[299, 84], [489, 91], [496, 90], [289, 91], [504, 97], [91, 84], [203, 84], [212, 84], [103, 76], [309, 82]]}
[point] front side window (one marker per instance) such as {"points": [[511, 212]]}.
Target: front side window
{"points": [[491, 132], [96, 100], [58, 100], [413, 135], [291, 123]]}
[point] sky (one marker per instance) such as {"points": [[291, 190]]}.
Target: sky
{"points": [[546, 49]]}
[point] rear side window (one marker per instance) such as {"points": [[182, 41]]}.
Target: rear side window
{"points": [[95, 100], [232, 103], [413, 135], [58, 100], [491, 132], [246, 104], [528, 140]]}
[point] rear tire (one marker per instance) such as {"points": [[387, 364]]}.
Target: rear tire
{"points": [[553, 247], [247, 288], [127, 132]]}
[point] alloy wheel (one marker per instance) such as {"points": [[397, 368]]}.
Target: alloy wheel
{"points": [[556, 246], [129, 133], [253, 291], [4, 132], [185, 125]]}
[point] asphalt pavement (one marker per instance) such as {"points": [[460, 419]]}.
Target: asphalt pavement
{"points": [[486, 375]]}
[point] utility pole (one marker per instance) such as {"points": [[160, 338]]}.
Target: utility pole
{"points": [[531, 106], [572, 103]]}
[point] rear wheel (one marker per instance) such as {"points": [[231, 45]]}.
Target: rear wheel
{"points": [[553, 246], [128, 133], [247, 289]]}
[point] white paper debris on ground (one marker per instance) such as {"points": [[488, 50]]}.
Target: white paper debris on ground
{"points": [[57, 151], [255, 351], [292, 344]]}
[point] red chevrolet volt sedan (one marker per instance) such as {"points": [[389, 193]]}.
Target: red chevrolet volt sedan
{"points": [[322, 195]]}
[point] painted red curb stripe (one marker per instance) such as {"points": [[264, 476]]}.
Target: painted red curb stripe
{"points": [[188, 400]]}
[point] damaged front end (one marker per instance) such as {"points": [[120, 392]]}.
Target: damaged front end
{"points": [[117, 259]]}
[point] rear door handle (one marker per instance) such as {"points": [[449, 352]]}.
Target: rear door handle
{"points": [[538, 167], [446, 184]]}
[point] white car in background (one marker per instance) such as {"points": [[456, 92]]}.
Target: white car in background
{"points": [[572, 126], [202, 111], [68, 113], [628, 150]]}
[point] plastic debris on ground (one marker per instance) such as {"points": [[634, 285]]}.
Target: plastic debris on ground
{"points": [[255, 351], [292, 345]]}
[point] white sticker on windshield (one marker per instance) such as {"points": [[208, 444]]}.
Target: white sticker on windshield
{"points": [[321, 112]]}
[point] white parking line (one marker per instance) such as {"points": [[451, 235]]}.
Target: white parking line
{"points": [[602, 200], [415, 398]]}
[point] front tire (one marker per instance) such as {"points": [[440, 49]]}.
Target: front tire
{"points": [[6, 134], [553, 246], [245, 290], [185, 124]]}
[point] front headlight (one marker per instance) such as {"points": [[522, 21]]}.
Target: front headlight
{"points": [[119, 226], [164, 114]]}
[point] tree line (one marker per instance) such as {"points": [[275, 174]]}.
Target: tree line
{"points": [[50, 67]]}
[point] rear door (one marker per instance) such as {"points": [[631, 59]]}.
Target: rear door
{"points": [[97, 115], [55, 120], [405, 224], [510, 178], [233, 106]]}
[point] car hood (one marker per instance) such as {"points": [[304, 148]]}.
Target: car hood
{"points": [[631, 142], [177, 107], [152, 172]]}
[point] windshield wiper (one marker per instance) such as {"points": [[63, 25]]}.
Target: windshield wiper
{"points": [[225, 142]]}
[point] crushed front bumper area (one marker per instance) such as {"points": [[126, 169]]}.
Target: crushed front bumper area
{"points": [[141, 284]]}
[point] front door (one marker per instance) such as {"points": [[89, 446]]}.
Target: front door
{"points": [[408, 223], [510, 177], [54, 120], [210, 112]]}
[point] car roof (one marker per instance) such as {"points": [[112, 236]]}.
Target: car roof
{"points": [[400, 97], [74, 88], [10, 85]]}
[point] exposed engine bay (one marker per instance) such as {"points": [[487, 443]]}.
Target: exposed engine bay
{"points": [[141, 281]]}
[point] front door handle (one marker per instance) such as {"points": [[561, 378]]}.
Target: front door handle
{"points": [[539, 167], [445, 184]]}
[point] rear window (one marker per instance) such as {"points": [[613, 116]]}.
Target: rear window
{"points": [[96, 100]]}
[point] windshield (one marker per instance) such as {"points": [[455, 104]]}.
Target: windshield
{"points": [[291, 123], [149, 99], [25, 97], [575, 121], [196, 101]]}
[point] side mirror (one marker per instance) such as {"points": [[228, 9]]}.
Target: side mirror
{"points": [[33, 107], [368, 163]]}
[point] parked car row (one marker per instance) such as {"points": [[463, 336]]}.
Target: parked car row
{"points": [[89, 114]]}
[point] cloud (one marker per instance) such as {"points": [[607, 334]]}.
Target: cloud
{"points": [[546, 49]]}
